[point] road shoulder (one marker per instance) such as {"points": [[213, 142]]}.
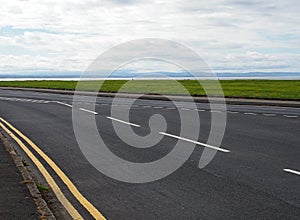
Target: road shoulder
{"points": [[20, 197]]}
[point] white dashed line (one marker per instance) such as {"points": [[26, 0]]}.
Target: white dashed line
{"points": [[195, 142], [125, 122], [185, 109], [146, 106], [214, 111], [89, 111], [232, 112], [41, 101], [292, 171], [62, 103], [291, 116], [249, 113], [200, 110], [157, 107]]}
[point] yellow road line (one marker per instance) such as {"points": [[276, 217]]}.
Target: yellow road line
{"points": [[83, 201], [60, 196]]}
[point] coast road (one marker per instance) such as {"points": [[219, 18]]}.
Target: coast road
{"points": [[255, 173]]}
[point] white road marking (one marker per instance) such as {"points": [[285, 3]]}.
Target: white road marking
{"points": [[157, 107], [125, 122], [40, 101], [249, 113], [62, 103], [291, 116], [232, 112], [214, 111], [86, 110], [292, 171], [104, 104], [23, 100], [185, 109], [200, 110], [195, 142], [269, 115], [146, 106]]}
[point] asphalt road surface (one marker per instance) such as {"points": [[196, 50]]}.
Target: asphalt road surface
{"points": [[257, 177]]}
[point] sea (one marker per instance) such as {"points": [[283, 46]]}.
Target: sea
{"points": [[154, 76]]}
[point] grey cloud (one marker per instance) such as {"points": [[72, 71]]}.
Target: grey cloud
{"points": [[76, 32]]}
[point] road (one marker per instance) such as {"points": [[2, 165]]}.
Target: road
{"points": [[258, 178]]}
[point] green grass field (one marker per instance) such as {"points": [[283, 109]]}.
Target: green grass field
{"points": [[264, 89]]}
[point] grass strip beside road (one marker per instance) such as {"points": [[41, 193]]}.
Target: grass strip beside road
{"points": [[260, 89]]}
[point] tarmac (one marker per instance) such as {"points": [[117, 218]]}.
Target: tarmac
{"points": [[16, 201], [199, 99], [20, 198]]}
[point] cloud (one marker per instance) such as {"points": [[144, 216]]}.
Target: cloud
{"points": [[231, 35]]}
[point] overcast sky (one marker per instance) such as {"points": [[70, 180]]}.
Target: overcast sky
{"points": [[230, 35]]}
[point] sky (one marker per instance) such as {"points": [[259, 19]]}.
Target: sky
{"points": [[230, 35]]}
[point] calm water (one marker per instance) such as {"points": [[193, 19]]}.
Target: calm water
{"points": [[177, 78], [152, 75]]}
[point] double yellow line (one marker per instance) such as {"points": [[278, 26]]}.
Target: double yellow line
{"points": [[60, 196]]}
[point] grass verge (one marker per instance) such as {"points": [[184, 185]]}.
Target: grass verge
{"points": [[43, 188], [261, 89]]}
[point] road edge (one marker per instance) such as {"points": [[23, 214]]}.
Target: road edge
{"points": [[215, 100], [41, 205]]}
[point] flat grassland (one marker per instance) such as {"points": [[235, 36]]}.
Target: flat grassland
{"points": [[261, 89]]}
